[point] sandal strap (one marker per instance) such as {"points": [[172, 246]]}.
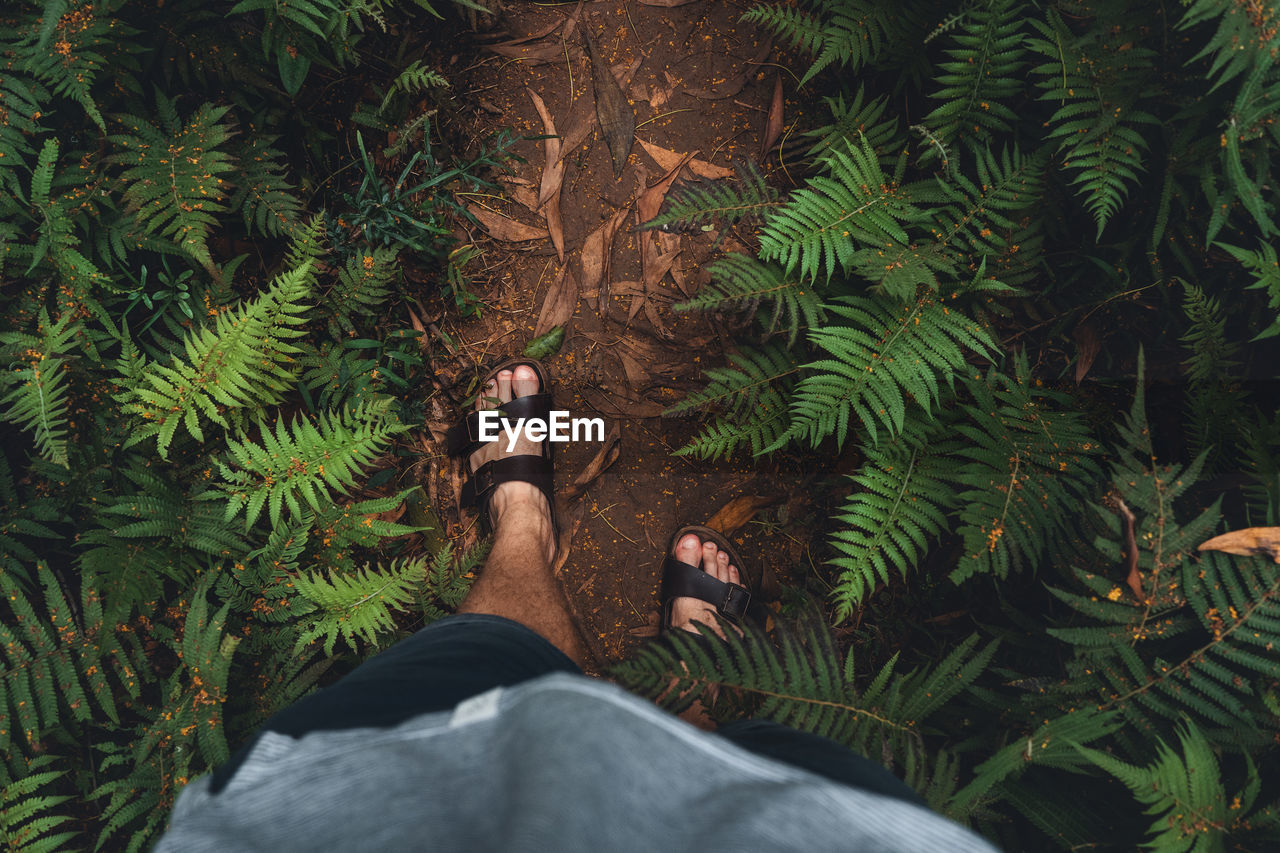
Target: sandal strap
{"points": [[679, 580], [526, 469], [463, 438]]}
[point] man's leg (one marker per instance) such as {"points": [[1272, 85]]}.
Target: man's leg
{"points": [[517, 581]]}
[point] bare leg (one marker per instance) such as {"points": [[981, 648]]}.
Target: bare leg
{"points": [[517, 580]]}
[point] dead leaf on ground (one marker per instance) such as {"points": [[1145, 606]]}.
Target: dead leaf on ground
{"points": [[668, 159], [569, 524], [737, 512], [773, 126], [637, 376], [617, 121], [533, 36], [649, 202], [553, 168], [1261, 541], [501, 228], [660, 94], [623, 72], [1088, 345], [559, 304], [596, 252], [605, 456]]}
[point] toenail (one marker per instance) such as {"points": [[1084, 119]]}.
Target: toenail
{"points": [[689, 541]]}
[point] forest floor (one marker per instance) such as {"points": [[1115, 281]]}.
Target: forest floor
{"points": [[699, 83]]}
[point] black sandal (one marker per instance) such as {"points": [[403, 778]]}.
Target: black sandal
{"points": [[463, 439], [680, 580]]}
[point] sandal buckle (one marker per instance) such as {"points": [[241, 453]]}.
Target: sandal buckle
{"points": [[736, 600]]}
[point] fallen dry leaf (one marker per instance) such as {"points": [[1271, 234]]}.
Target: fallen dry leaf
{"points": [[737, 512], [569, 524], [1263, 541], [773, 126], [596, 252], [605, 456], [553, 169], [502, 228], [559, 304], [624, 71], [637, 376], [1087, 348], [668, 159], [649, 202], [617, 121]]}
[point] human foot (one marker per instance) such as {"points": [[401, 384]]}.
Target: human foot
{"points": [[688, 611], [515, 505]]}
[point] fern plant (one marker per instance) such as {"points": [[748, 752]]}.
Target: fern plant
{"points": [[743, 283], [882, 355], [302, 462], [1185, 793], [37, 399], [359, 604], [241, 361], [724, 202], [174, 174]]}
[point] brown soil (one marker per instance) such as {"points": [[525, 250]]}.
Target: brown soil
{"points": [[703, 83]]}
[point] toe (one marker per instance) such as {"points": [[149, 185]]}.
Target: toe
{"points": [[504, 386], [732, 576], [689, 549], [524, 381], [722, 566], [709, 557]]}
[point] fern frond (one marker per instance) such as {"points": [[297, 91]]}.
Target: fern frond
{"points": [[799, 682], [1265, 269], [850, 33], [339, 529], [1097, 125], [850, 119], [26, 812], [263, 193], [364, 284], [52, 663], [305, 460], [361, 604], [241, 361], [722, 202], [68, 51], [882, 355], [981, 74], [21, 100], [752, 399], [848, 217], [174, 176], [1029, 464], [1186, 795], [1199, 623], [1247, 36], [901, 496], [743, 283], [449, 579], [414, 78], [38, 399]]}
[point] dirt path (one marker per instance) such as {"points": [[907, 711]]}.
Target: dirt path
{"points": [[697, 81]]}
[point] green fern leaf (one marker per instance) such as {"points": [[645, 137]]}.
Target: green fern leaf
{"points": [[361, 604], [852, 205], [900, 500], [26, 813], [242, 361], [981, 74], [743, 283], [263, 193], [306, 460], [1265, 269], [174, 176], [752, 399], [851, 33], [882, 355], [1028, 464], [722, 202], [38, 399]]}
